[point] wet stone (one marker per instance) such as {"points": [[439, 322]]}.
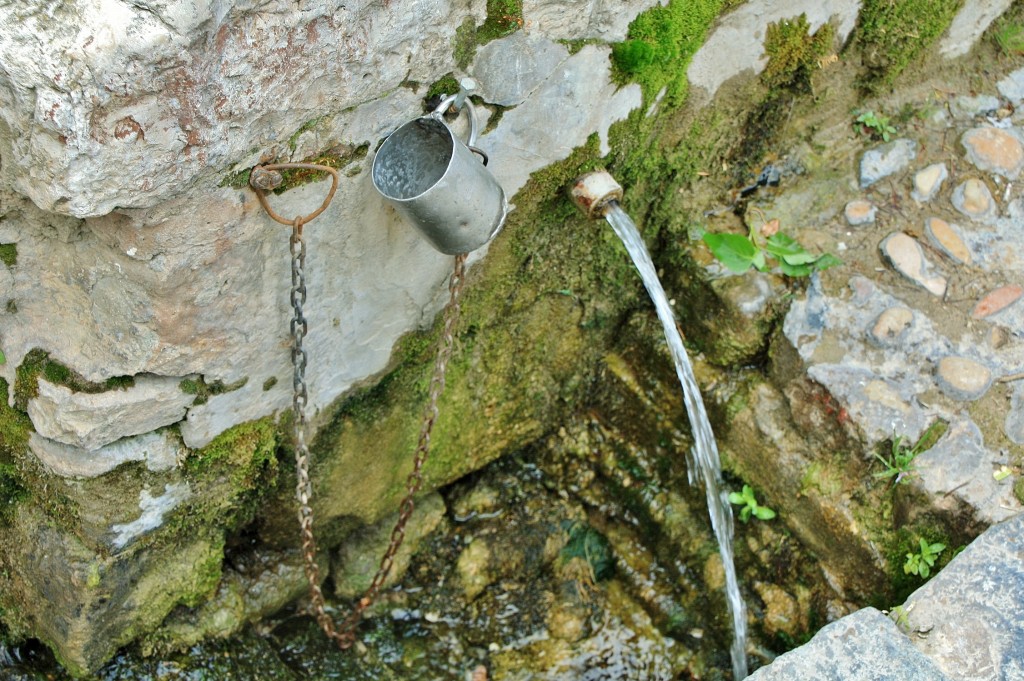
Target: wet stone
{"points": [[907, 257], [973, 199], [860, 212], [945, 237], [928, 181], [891, 326], [994, 150], [997, 301], [886, 160], [962, 378]]}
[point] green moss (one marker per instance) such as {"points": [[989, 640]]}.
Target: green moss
{"points": [[793, 53], [338, 156], [892, 34], [575, 46], [661, 42], [38, 363], [445, 85], [15, 428], [293, 141], [9, 254], [12, 491], [504, 17], [203, 390], [464, 43], [269, 383]]}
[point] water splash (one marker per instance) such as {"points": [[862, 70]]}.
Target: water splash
{"points": [[705, 465]]}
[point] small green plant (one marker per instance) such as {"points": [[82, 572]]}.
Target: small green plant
{"points": [[899, 464], [747, 499], [738, 252], [1010, 38], [922, 562], [874, 126]]}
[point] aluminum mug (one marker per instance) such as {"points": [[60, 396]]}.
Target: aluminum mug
{"points": [[440, 184]]}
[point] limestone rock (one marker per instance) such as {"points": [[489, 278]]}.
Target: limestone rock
{"points": [[973, 610], [994, 150], [356, 563], [963, 378], [947, 239], [969, 24], [573, 19], [928, 181], [1012, 87], [860, 212], [865, 645], [960, 466], [737, 42], [91, 420], [559, 117], [508, 70], [160, 451], [207, 84], [154, 508], [973, 198], [886, 160], [966, 106], [908, 258]]}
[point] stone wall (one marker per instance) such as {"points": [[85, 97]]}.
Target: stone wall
{"points": [[146, 323]]}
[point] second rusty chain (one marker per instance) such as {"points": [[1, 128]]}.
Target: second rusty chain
{"points": [[266, 178]]}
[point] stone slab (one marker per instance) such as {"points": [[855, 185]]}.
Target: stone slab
{"points": [[864, 646], [160, 451], [92, 420], [969, 619], [969, 24], [507, 71], [886, 160]]}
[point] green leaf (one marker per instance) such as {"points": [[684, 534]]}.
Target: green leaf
{"points": [[745, 514], [788, 249], [825, 261], [764, 513], [734, 251], [795, 270], [736, 498], [3, 357], [923, 569]]}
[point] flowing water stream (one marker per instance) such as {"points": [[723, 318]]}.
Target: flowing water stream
{"points": [[703, 458]]}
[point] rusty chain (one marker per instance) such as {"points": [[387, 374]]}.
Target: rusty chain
{"points": [[264, 178]]}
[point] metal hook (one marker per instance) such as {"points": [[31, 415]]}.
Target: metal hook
{"points": [[263, 178]]}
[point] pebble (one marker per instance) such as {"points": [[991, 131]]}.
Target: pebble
{"points": [[1014, 425], [962, 378], [891, 326], [886, 160], [994, 150], [947, 239], [997, 301], [973, 199], [965, 106], [907, 257], [860, 212], [928, 181], [1012, 87]]}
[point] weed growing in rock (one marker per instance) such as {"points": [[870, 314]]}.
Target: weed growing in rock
{"points": [[874, 126], [739, 253], [922, 562], [747, 499], [899, 463], [1009, 36]]}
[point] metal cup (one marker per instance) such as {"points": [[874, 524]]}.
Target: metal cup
{"points": [[439, 184]]}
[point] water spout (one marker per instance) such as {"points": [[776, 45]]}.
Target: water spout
{"points": [[597, 194]]}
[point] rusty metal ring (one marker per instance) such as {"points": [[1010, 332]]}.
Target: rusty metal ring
{"points": [[303, 166]]}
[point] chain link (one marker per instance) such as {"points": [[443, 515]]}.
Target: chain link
{"points": [[344, 635]]}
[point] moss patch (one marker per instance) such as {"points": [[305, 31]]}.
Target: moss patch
{"points": [[38, 363], [661, 42], [893, 34], [338, 156], [9, 254], [504, 17], [204, 391], [793, 53]]}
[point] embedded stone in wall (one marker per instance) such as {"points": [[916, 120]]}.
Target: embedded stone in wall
{"points": [[91, 420], [575, 100], [995, 150], [886, 160], [573, 19], [974, 199], [508, 70], [160, 452], [969, 24], [737, 42]]}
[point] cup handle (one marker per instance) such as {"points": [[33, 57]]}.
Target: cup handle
{"points": [[470, 110]]}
